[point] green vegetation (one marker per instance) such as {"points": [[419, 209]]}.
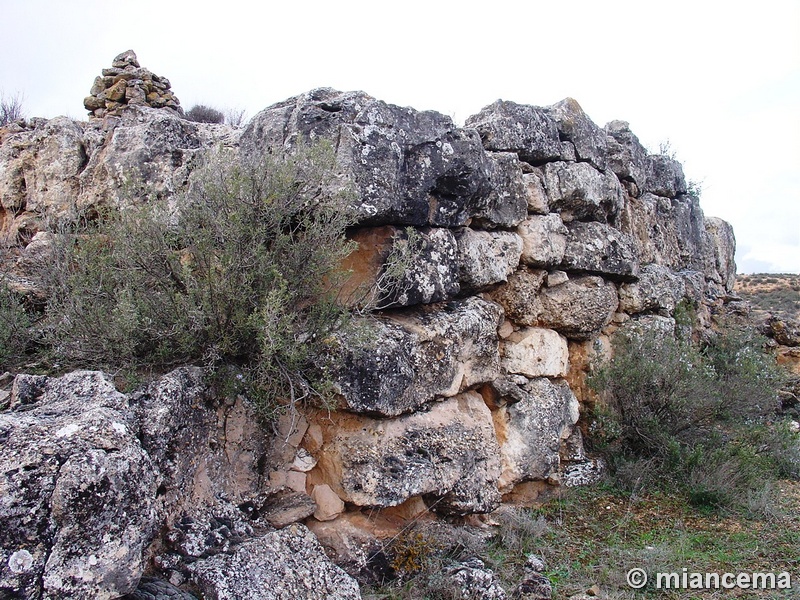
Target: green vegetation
{"points": [[700, 420], [239, 275]]}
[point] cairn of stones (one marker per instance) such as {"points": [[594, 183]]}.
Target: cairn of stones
{"points": [[128, 84]]}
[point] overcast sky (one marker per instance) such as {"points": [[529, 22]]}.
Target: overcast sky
{"points": [[719, 81]]}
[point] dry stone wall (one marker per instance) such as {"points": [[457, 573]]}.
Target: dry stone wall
{"points": [[539, 234]]}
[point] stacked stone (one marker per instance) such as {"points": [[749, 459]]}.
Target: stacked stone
{"points": [[128, 84]]}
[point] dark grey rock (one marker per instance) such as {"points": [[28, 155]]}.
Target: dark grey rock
{"points": [[78, 493], [600, 249], [474, 581], [574, 125], [415, 357], [508, 200], [289, 563], [510, 127], [627, 158], [664, 176], [407, 167], [579, 191]]}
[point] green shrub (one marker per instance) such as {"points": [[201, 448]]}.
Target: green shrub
{"points": [[241, 271], [702, 420]]}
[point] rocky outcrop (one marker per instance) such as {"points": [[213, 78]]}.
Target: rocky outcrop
{"points": [[492, 262]]}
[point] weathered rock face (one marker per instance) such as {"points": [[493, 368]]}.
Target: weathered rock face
{"points": [[285, 564], [62, 168], [447, 454], [78, 491], [496, 260], [411, 359], [547, 413], [408, 167]]}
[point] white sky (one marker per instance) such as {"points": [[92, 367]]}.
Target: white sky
{"points": [[719, 80]]}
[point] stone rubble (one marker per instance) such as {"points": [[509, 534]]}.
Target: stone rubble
{"points": [[126, 83]]}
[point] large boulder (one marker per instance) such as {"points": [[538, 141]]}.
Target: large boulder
{"points": [[77, 490], [536, 352], [722, 248], [544, 240], [664, 176], [510, 127], [508, 198], [411, 358], [579, 307], [447, 454], [532, 431], [574, 125], [407, 167], [627, 158], [486, 258], [658, 288], [579, 191], [600, 249], [289, 563], [62, 167], [669, 232]]}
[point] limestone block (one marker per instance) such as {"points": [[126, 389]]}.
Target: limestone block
{"points": [[329, 505], [410, 359], [486, 258], [519, 297], [448, 455], [664, 176], [578, 308], [510, 127], [407, 167], [579, 191], [600, 249], [536, 352], [658, 288], [532, 431], [289, 563], [78, 491], [544, 239], [536, 195], [627, 158], [507, 204], [574, 125]]}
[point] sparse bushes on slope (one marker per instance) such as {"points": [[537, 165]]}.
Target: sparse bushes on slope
{"points": [[701, 420], [242, 272]]}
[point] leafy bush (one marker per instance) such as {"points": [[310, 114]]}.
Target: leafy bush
{"points": [[699, 419], [200, 113], [242, 271]]}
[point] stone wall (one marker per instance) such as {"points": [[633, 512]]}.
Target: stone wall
{"points": [[541, 235]]}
